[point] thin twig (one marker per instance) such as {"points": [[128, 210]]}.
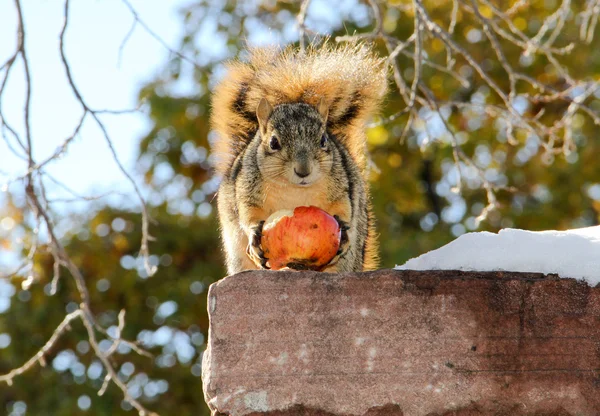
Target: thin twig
{"points": [[42, 352], [144, 249], [125, 40], [39, 206], [160, 40], [301, 25]]}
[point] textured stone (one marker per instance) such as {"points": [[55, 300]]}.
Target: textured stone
{"points": [[403, 343]]}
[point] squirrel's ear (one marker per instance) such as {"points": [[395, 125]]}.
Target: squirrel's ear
{"points": [[263, 111], [323, 109]]}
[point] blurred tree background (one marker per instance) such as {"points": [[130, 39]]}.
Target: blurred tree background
{"points": [[538, 184]]}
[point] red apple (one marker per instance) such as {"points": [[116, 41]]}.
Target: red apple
{"points": [[307, 238]]}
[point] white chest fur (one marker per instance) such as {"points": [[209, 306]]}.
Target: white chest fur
{"points": [[282, 196]]}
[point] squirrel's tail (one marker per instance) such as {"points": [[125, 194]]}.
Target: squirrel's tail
{"points": [[350, 79]]}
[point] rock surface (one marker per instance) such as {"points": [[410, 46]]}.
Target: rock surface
{"points": [[402, 343]]}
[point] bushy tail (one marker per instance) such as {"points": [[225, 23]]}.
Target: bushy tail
{"points": [[350, 78]]}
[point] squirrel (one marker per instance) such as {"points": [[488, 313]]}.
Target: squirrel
{"points": [[290, 130]]}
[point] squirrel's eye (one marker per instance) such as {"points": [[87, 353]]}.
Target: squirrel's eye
{"points": [[274, 144], [323, 142]]}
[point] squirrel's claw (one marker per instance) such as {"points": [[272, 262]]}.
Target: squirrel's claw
{"points": [[344, 240], [254, 249]]}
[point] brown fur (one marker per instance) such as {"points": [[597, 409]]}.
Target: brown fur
{"points": [[350, 78], [344, 86]]}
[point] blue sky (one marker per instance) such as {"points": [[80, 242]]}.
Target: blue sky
{"points": [[96, 30], [95, 33], [107, 80]]}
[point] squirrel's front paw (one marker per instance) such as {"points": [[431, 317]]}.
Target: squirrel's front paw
{"points": [[344, 241], [254, 249]]}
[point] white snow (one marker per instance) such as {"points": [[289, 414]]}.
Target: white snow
{"points": [[572, 253]]}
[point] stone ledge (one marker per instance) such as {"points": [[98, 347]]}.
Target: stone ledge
{"points": [[402, 343]]}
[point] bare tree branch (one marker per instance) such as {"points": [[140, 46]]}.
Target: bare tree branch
{"points": [[39, 206], [125, 40], [499, 31], [38, 357], [300, 20], [155, 35], [144, 249], [7, 67], [589, 20]]}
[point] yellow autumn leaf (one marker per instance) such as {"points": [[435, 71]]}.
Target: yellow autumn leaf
{"points": [[377, 135]]}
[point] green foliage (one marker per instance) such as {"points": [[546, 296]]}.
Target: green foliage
{"points": [[187, 251], [412, 183]]}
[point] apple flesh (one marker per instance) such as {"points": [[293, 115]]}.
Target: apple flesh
{"points": [[307, 238]]}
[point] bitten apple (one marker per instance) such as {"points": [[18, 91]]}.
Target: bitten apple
{"points": [[306, 238]]}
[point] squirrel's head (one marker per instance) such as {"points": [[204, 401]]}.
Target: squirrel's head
{"points": [[294, 143]]}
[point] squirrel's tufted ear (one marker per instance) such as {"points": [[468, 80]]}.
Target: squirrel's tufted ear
{"points": [[263, 112], [323, 109]]}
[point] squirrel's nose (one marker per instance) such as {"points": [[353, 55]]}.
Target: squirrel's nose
{"points": [[303, 173]]}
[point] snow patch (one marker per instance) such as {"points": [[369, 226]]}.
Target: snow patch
{"points": [[571, 253]]}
